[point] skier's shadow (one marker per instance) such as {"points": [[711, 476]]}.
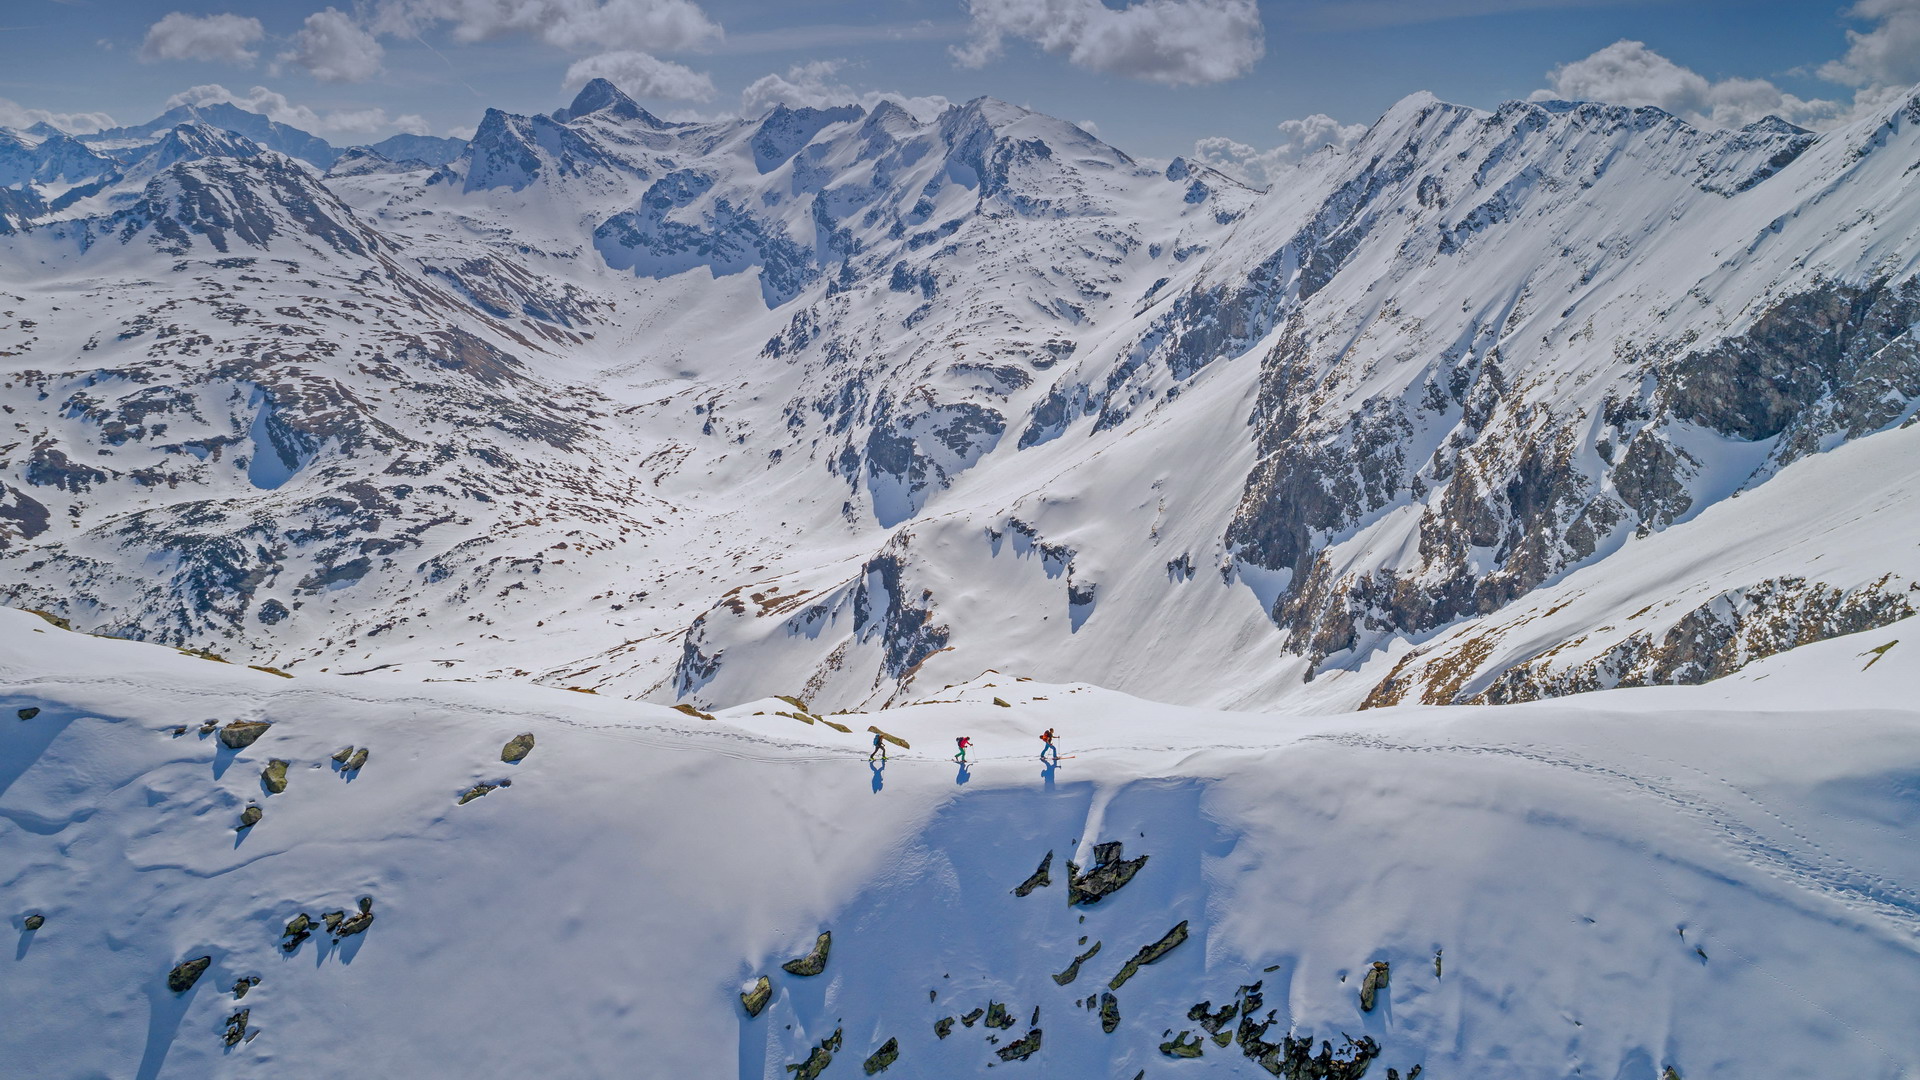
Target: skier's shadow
{"points": [[963, 775], [879, 774], [1046, 772]]}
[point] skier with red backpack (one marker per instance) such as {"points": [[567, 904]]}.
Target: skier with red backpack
{"points": [[962, 742]]}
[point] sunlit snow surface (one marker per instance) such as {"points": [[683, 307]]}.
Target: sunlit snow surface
{"points": [[599, 916]]}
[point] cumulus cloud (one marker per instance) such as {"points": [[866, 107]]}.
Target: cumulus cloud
{"points": [[333, 48], [1263, 168], [1630, 73], [15, 115], [274, 106], [1171, 42], [579, 25], [202, 37], [816, 85], [643, 75], [1887, 54]]}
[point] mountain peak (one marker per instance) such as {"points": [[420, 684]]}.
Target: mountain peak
{"points": [[600, 95]]}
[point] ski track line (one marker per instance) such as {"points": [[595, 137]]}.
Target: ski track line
{"points": [[1840, 883]]}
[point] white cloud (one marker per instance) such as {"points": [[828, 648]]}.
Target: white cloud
{"points": [[352, 123], [1888, 54], [1264, 168], [643, 75], [1630, 73], [579, 25], [815, 85], [180, 36], [15, 115], [333, 48], [1172, 42]]}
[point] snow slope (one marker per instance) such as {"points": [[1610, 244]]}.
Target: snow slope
{"points": [[1565, 859]]}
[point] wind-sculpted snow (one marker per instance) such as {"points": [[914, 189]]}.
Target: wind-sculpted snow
{"points": [[551, 407]]}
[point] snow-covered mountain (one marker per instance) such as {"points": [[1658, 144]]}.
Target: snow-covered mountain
{"points": [[540, 523], [847, 404]]}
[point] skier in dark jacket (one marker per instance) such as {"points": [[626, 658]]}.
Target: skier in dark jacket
{"points": [[879, 748], [1047, 747]]}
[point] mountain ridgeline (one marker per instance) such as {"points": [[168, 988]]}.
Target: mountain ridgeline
{"points": [[853, 404]]}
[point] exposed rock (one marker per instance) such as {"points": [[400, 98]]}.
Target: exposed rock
{"points": [[29, 712], [357, 761], [249, 818], [1109, 1012], [969, 1019], [1039, 879], [1414, 1073], [756, 999], [1668, 1073], [1294, 1059], [241, 734], [332, 919], [274, 776], [1003, 703], [1073, 969], [818, 1059], [888, 1053], [1022, 1048], [299, 924], [34, 921], [517, 748], [341, 755], [236, 1027], [816, 959], [1180, 1047], [241, 986], [179, 730], [1436, 962], [475, 792], [208, 727], [357, 923], [1149, 954], [1375, 981], [1223, 1037], [998, 1016], [1210, 1020], [186, 973], [1108, 873], [943, 1027]]}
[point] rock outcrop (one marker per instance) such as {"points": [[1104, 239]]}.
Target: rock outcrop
{"points": [[1374, 982], [1022, 1048], [240, 734], [1073, 969], [815, 961], [878, 1061], [517, 748], [1107, 875], [756, 999], [1149, 954], [274, 776], [1039, 879], [186, 973]]}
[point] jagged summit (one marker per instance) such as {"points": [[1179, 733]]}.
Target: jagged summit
{"points": [[601, 96]]}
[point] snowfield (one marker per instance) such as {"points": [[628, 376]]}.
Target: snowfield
{"points": [[1718, 878]]}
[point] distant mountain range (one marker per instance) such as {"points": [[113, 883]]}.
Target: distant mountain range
{"points": [[842, 403]]}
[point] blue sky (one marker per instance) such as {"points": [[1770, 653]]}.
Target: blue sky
{"points": [[1151, 76]]}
